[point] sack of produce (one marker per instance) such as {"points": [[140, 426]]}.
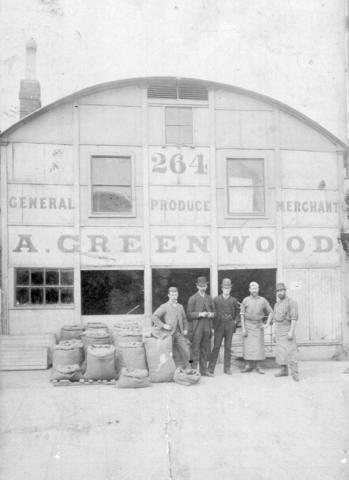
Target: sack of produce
{"points": [[69, 332], [68, 352], [95, 337], [131, 355], [133, 379], [97, 326], [100, 362], [186, 376], [66, 372], [159, 359], [127, 331]]}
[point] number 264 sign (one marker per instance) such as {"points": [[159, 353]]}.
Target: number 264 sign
{"points": [[179, 163]]}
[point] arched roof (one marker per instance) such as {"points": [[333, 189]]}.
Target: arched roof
{"points": [[144, 81]]}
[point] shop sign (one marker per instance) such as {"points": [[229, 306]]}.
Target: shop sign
{"points": [[175, 246]]}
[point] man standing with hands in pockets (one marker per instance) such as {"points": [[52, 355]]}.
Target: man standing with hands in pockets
{"points": [[253, 310], [200, 313], [227, 314]]}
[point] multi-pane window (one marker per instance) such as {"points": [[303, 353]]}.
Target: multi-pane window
{"points": [[245, 186], [179, 125], [44, 286], [111, 185], [112, 292]]}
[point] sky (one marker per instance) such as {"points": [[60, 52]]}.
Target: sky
{"points": [[290, 50]]}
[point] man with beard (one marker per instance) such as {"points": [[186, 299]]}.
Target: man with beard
{"points": [[285, 319], [253, 309], [200, 313]]}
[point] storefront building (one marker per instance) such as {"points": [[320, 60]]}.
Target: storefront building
{"points": [[114, 193]]}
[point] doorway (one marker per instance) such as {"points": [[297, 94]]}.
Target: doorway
{"points": [[265, 277], [182, 278]]}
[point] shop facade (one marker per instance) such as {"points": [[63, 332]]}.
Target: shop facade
{"points": [[118, 191]]}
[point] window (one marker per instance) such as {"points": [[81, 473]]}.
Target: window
{"points": [[179, 125], [44, 286], [112, 185], [112, 292], [245, 186]]}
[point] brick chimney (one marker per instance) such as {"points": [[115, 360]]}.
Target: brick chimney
{"points": [[29, 93]]}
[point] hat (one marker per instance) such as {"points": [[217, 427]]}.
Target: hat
{"points": [[201, 281], [280, 286], [226, 283]]}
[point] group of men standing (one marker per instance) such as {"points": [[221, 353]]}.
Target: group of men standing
{"points": [[220, 316]]}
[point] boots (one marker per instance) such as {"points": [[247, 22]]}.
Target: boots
{"points": [[283, 372], [248, 368], [259, 369]]}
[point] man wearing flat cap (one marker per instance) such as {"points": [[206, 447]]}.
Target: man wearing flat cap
{"points": [[200, 312], [285, 319], [253, 310], [224, 325]]}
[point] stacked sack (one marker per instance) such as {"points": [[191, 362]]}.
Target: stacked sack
{"points": [[67, 359], [131, 360]]}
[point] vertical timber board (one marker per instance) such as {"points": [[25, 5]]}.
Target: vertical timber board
{"points": [[325, 300], [146, 207], [278, 188], [213, 193], [343, 270], [5, 151], [76, 196]]}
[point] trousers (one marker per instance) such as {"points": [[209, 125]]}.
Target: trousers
{"points": [[201, 344], [224, 331], [181, 346]]}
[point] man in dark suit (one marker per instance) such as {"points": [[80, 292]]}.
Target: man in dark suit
{"points": [[227, 315], [200, 312]]}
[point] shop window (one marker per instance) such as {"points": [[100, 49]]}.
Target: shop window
{"points": [[182, 278], [111, 185], [179, 125], [41, 286], [112, 292], [245, 186]]}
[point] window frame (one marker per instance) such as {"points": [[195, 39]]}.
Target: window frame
{"points": [[175, 105], [252, 215], [109, 154], [43, 306]]}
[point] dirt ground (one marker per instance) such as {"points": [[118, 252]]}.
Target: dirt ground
{"points": [[253, 427]]}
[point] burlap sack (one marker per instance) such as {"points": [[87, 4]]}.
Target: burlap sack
{"points": [[131, 356], [68, 352], [127, 331], [66, 372], [186, 377], [95, 337], [69, 332], [133, 379], [100, 362], [159, 359]]}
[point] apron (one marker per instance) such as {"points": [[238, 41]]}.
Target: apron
{"points": [[285, 350], [253, 346]]}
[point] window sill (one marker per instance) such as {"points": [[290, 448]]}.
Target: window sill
{"points": [[112, 215], [42, 307]]}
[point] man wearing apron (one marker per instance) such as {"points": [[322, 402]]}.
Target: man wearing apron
{"points": [[253, 310], [285, 318], [200, 312]]}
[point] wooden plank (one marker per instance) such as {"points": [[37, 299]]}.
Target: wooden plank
{"points": [[82, 382], [17, 358]]}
